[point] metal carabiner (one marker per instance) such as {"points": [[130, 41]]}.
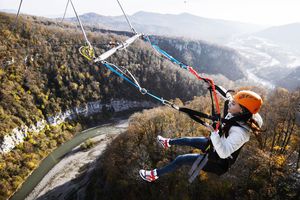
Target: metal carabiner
{"points": [[170, 104], [143, 91]]}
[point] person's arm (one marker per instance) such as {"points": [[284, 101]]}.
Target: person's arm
{"points": [[226, 146]]}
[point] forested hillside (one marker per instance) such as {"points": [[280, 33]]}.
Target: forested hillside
{"points": [[205, 57], [292, 80]]}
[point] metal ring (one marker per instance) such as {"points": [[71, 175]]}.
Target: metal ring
{"points": [[143, 91]]}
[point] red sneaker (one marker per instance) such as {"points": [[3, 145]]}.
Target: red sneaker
{"points": [[163, 141], [148, 175]]}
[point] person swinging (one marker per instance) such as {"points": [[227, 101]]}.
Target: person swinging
{"points": [[221, 147]]}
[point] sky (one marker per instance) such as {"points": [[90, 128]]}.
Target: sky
{"points": [[263, 12]]}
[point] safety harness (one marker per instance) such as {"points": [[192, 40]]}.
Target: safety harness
{"points": [[211, 161]]}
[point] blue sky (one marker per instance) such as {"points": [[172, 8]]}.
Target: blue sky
{"points": [[266, 12]]}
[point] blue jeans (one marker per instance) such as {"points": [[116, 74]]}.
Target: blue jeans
{"points": [[186, 159]]}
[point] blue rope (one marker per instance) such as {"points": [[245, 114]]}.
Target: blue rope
{"points": [[171, 58], [132, 83], [119, 74], [165, 54]]}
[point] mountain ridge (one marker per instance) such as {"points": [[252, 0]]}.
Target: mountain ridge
{"points": [[286, 35], [214, 30]]}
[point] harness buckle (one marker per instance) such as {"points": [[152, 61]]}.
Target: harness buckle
{"points": [[170, 104]]}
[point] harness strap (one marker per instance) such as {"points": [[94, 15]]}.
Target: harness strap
{"points": [[222, 91], [195, 164], [197, 167], [195, 113], [213, 112], [198, 120], [225, 109]]}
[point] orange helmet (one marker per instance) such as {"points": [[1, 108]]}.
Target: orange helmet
{"points": [[249, 100]]}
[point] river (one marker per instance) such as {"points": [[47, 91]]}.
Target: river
{"points": [[39, 175]]}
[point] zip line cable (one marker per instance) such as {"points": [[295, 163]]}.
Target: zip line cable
{"points": [[61, 21], [131, 27], [86, 51], [16, 19], [18, 13], [82, 29], [65, 11]]}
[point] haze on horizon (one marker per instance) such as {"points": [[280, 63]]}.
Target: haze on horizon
{"points": [[263, 12]]}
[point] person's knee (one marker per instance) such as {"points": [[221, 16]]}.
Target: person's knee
{"points": [[188, 140], [179, 159]]}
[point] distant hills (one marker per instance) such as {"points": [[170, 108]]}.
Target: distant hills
{"points": [[286, 35], [292, 80], [185, 25], [195, 27], [272, 48]]}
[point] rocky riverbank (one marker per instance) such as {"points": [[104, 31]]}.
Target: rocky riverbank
{"points": [[61, 181]]}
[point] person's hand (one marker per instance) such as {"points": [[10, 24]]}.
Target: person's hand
{"points": [[210, 128]]}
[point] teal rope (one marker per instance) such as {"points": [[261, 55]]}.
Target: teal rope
{"points": [[107, 65]]}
